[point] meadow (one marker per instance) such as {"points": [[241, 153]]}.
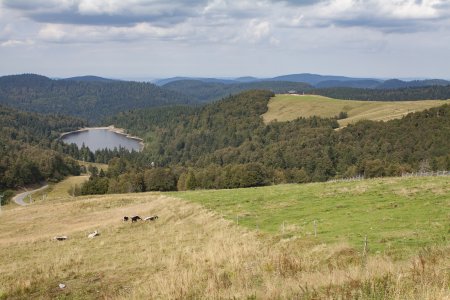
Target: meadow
{"points": [[197, 249], [289, 107]]}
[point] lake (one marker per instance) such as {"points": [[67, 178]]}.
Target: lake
{"points": [[100, 138]]}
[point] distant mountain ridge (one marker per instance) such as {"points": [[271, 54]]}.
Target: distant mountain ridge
{"points": [[320, 81], [91, 98], [91, 78], [210, 91]]}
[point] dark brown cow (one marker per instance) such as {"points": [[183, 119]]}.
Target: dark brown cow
{"points": [[135, 219]]}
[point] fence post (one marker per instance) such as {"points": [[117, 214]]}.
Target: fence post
{"points": [[315, 228]]}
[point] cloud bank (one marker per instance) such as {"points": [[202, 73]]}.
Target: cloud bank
{"points": [[290, 26]]}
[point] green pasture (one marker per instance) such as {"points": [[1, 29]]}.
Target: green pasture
{"points": [[398, 215]]}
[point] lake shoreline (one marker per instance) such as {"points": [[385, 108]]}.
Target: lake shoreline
{"points": [[111, 128]]}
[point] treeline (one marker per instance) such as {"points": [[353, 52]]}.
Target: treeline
{"points": [[91, 100], [30, 150], [226, 144], [435, 92]]}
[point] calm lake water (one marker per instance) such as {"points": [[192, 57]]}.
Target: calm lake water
{"points": [[97, 139]]}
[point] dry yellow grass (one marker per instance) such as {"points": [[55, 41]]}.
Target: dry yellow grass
{"points": [[289, 107], [189, 253]]}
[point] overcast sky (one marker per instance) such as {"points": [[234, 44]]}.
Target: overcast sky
{"points": [[143, 39]]}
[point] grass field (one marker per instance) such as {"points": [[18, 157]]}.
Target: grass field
{"points": [[398, 215], [289, 107], [192, 252]]}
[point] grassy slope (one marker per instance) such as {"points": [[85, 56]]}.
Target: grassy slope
{"points": [[290, 107], [398, 215], [192, 252]]}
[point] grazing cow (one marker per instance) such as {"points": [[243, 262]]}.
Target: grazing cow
{"points": [[135, 218], [151, 218], [125, 218]]}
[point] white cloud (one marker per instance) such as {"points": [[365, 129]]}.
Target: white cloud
{"points": [[52, 33], [14, 43]]}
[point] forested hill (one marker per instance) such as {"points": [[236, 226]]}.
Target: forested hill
{"points": [[30, 150], [226, 144], [91, 100], [209, 91]]}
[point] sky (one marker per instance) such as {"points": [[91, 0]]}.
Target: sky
{"points": [[147, 39]]}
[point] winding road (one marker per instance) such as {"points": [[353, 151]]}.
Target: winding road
{"points": [[19, 197]]}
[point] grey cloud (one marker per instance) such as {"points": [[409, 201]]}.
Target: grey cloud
{"points": [[113, 20], [299, 2], [159, 12]]}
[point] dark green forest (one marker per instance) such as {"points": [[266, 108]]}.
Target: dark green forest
{"points": [[435, 92], [30, 151], [91, 100]]}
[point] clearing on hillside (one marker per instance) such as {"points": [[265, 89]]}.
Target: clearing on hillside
{"points": [[289, 107]]}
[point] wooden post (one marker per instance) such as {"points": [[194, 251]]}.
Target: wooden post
{"points": [[237, 219], [365, 246], [364, 254]]}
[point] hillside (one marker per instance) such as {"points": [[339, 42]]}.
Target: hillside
{"points": [[192, 252], [30, 151], [88, 99], [289, 107]]}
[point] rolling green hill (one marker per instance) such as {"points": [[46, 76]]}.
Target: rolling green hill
{"points": [[289, 107]]}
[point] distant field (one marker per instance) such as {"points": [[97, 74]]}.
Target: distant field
{"points": [[289, 107], [191, 252], [98, 165], [398, 215]]}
